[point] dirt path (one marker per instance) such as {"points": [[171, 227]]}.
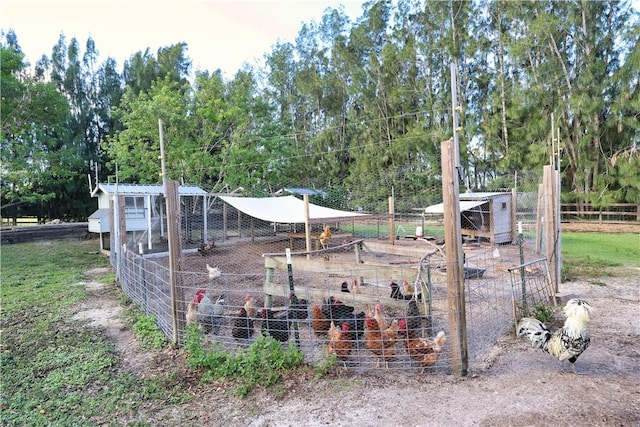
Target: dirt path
{"points": [[514, 386]]}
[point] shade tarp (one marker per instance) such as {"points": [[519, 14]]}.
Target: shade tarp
{"points": [[286, 210], [465, 205]]}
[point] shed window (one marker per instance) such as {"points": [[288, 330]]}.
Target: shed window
{"points": [[134, 207]]}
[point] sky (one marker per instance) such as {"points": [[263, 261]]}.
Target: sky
{"points": [[219, 34]]}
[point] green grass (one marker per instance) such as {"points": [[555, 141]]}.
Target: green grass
{"points": [[57, 371], [592, 254]]}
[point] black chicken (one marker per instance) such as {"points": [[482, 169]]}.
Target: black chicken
{"points": [[413, 317], [242, 327], [297, 307], [396, 293], [277, 327]]}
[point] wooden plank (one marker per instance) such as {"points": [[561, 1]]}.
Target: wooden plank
{"points": [[396, 250], [320, 295], [380, 271]]}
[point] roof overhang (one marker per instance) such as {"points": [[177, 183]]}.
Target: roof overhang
{"points": [[464, 206]]}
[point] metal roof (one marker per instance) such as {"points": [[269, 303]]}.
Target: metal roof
{"points": [[464, 206], [144, 189]]}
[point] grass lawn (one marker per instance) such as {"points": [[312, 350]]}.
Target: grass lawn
{"points": [[589, 254], [55, 370]]}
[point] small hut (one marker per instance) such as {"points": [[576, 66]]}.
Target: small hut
{"points": [[488, 216]]}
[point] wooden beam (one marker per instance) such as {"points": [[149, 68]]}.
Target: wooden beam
{"points": [[320, 295], [380, 271]]}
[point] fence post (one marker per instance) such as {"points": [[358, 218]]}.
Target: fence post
{"points": [[455, 268]]}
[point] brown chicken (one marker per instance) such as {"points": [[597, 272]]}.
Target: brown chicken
{"points": [[325, 237], [379, 316], [319, 321], [422, 351], [192, 313], [340, 342], [408, 289], [356, 288], [382, 343], [249, 308]]}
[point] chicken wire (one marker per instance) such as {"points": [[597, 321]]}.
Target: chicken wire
{"points": [[489, 313], [237, 243]]}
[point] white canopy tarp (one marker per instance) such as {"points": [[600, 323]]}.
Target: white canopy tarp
{"points": [[286, 210], [465, 205]]}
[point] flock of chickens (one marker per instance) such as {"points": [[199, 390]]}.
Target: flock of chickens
{"points": [[344, 329]]}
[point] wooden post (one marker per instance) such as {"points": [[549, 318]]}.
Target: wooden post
{"points": [[307, 229], [224, 221], [550, 201], [539, 218], [173, 233], [392, 232], [514, 214], [454, 256], [122, 223]]}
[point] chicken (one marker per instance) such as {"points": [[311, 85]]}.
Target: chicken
{"points": [[277, 327], [412, 317], [566, 343], [213, 271], [325, 237], [396, 293], [408, 289], [249, 308], [340, 342], [191, 315], [206, 248], [423, 351], [297, 307], [379, 316], [338, 311], [382, 343], [208, 314], [344, 287], [242, 326], [319, 321]]}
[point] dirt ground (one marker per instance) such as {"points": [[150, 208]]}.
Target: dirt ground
{"points": [[514, 386]]}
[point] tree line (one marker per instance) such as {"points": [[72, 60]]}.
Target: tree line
{"points": [[357, 108]]}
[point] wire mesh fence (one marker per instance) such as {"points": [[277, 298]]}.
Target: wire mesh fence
{"points": [[382, 260]]}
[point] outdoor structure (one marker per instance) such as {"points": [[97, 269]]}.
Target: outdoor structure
{"points": [[489, 216], [291, 211], [142, 207]]}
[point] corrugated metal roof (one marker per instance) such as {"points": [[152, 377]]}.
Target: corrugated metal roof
{"points": [[480, 195], [99, 214], [144, 189], [464, 206]]}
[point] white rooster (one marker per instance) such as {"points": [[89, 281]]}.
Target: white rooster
{"points": [[564, 344]]}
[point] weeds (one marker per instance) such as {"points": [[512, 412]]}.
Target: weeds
{"points": [[147, 330], [263, 362]]}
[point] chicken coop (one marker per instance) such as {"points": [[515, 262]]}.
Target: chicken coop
{"points": [[484, 216], [143, 213], [363, 265]]}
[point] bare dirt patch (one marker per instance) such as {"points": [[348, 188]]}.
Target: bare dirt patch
{"points": [[514, 385]]}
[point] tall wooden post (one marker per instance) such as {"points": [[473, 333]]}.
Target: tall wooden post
{"points": [[173, 232], [307, 228], [392, 233], [551, 229], [454, 256]]}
